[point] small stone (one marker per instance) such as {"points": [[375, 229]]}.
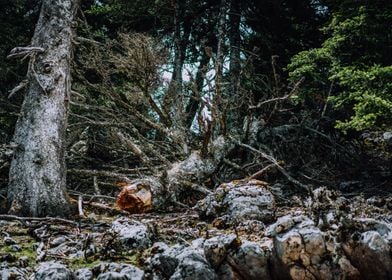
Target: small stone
{"points": [[9, 241], [387, 136], [132, 234], [23, 261], [57, 241], [83, 274], [15, 248], [112, 276]]}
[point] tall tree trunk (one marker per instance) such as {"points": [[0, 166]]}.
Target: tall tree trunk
{"points": [[37, 173], [194, 101], [234, 114], [218, 123]]}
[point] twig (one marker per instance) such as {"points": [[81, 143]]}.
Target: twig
{"points": [[19, 87], [105, 207], [46, 219], [282, 98], [233, 164], [100, 173], [261, 172], [91, 197], [23, 51], [80, 206], [326, 101], [278, 166], [97, 191], [87, 40]]}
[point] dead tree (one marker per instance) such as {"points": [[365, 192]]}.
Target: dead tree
{"points": [[37, 172]]}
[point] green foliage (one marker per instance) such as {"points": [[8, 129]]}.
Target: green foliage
{"points": [[355, 62], [369, 91]]}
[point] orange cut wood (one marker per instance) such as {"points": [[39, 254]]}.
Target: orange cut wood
{"points": [[135, 198]]}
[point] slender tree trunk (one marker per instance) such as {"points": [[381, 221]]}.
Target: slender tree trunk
{"points": [[218, 123], [194, 101], [233, 118], [174, 97], [37, 173]]}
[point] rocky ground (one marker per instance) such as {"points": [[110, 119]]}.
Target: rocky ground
{"points": [[243, 230]]}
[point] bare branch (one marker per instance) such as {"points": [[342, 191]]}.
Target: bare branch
{"points": [[278, 166], [282, 98], [19, 87], [23, 51]]}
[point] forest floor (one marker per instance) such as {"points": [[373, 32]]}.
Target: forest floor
{"points": [[334, 226]]}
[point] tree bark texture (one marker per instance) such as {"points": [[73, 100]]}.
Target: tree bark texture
{"points": [[218, 122], [37, 173], [233, 118]]}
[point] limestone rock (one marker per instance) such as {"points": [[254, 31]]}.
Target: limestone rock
{"points": [[180, 262], [11, 272], [53, 271], [239, 201], [118, 271], [217, 248], [300, 247], [250, 261], [83, 274], [193, 266], [132, 234], [371, 252], [165, 261]]}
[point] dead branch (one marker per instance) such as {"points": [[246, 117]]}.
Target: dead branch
{"points": [[262, 172], [47, 219], [135, 149], [19, 87], [24, 51], [278, 166], [80, 206], [104, 207], [86, 172], [277, 99]]}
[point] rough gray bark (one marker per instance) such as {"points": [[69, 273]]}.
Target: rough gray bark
{"points": [[37, 173], [218, 122], [233, 118]]}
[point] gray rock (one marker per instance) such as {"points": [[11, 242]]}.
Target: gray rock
{"points": [[217, 248], [250, 261], [300, 247], [387, 136], [132, 234], [164, 263], [239, 201], [57, 241], [118, 271], [83, 274], [112, 276], [371, 252], [52, 271], [12, 273], [23, 261], [285, 223], [69, 249], [181, 262], [9, 241], [15, 248], [193, 266]]}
